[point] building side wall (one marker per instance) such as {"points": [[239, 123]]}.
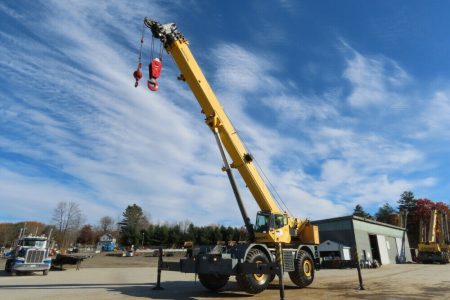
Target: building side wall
{"points": [[337, 231], [363, 244]]}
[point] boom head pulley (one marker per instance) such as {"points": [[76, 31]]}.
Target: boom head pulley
{"points": [[166, 33]]}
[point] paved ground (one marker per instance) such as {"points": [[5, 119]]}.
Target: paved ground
{"points": [[389, 282]]}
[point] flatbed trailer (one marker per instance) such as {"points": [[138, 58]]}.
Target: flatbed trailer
{"points": [[68, 259]]}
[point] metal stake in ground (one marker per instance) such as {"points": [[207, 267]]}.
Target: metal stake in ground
{"points": [[160, 262], [358, 267], [279, 256]]}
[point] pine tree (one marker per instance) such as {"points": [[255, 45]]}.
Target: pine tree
{"points": [[360, 212], [384, 213], [407, 201], [134, 222]]}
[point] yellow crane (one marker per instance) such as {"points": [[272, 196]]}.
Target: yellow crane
{"points": [[433, 239], [273, 225]]}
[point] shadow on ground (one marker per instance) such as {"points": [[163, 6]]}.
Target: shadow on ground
{"points": [[180, 291], [174, 290]]}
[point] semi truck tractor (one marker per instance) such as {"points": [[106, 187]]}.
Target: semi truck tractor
{"points": [[29, 254]]}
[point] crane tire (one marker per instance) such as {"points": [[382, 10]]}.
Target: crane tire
{"points": [[254, 283], [303, 275], [213, 282]]}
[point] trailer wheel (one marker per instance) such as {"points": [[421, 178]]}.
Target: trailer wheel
{"points": [[213, 282], [254, 283], [45, 272], [303, 275]]}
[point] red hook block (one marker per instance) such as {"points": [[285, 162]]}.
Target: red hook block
{"points": [[155, 68]]}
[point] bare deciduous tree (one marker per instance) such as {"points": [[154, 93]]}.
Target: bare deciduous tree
{"points": [[67, 217], [106, 224]]}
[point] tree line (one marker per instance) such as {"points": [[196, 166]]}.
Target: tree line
{"points": [[137, 230], [134, 228]]}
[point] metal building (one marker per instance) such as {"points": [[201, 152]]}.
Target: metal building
{"points": [[386, 243]]}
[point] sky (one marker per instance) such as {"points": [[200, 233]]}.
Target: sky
{"points": [[340, 102]]}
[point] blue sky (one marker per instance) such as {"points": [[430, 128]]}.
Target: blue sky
{"points": [[341, 103]]}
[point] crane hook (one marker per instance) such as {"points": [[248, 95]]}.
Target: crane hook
{"points": [[152, 84]]}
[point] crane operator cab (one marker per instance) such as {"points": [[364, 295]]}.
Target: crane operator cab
{"points": [[272, 228]]}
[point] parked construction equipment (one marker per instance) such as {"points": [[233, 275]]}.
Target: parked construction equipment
{"points": [[433, 239], [253, 263]]}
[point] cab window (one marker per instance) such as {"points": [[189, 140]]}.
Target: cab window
{"points": [[279, 221], [262, 222]]}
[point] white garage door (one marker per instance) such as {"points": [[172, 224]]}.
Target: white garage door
{"points": [[382, 247]]}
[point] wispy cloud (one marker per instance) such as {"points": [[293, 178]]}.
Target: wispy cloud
{"points": [[118, 144], [357, 163], [375, 81], [433, 120], [73, 127]]}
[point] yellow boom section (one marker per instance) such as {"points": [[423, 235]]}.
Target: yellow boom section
{"points": [[217, 118]]}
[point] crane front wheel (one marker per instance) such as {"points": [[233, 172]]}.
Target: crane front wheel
{"points": [[303, 275], [254, 283], [213, 282]]}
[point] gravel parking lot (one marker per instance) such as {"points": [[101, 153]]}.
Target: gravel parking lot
{"points": [[411, 281]]}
